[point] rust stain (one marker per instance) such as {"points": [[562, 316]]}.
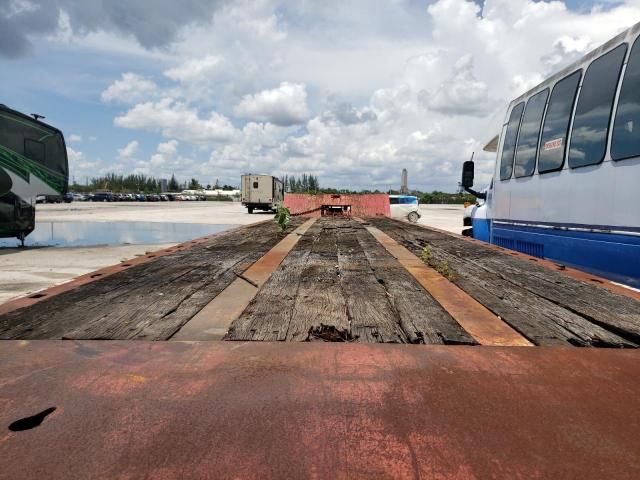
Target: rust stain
{"points": [[485, 327], [212, 322], [296, 410]]}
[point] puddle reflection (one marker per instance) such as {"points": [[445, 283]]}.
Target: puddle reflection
{"points": [[86, 234]]}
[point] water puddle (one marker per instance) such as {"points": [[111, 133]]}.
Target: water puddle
{"points": [[88, 234]]}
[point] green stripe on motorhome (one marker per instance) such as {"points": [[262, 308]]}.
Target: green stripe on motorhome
{"points": [[24, 167]]}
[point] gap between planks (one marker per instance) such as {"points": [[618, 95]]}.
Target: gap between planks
{"points": [[213, 321], [480, 323]]}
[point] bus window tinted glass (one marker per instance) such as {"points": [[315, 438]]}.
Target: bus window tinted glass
{"points": [[525, 162], [625, 141], [593, 113], [508, 148], [556, 123]]}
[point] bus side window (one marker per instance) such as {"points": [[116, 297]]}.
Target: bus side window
{"points": [[34, 150], [593, 113], [527, 147], [509, 146], [553, 145], [625, 142]]}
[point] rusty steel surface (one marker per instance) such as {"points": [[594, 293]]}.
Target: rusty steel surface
{"points": [[213, 321], [35, 297], [362, 204], [485, 327], [176, 410]]}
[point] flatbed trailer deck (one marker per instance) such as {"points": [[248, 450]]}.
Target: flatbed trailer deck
{"points": [[266, 354], [340, 273]]}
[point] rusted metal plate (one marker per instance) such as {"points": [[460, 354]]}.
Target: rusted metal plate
{"points": [[213, 321], [299, 410], [363, 205], [480, 323]]}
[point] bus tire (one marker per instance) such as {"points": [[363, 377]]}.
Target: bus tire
{"points": [[413, 217], [250, 210]]}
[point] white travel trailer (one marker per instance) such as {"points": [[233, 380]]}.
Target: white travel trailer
{"points": [[566, 177], [261, 192]]}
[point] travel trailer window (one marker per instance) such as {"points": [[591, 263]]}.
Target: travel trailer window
{"points": [[525, 163], [593, 113], [625, 141], [553, 145], [509, 146]]}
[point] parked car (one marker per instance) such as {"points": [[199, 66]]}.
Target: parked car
{"points": [[405, 207], [164, 198], [68, 197], [140, 197], [102, 197]]}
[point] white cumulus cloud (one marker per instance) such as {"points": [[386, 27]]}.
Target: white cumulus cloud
{"points": [[130, 88], [176, 119], [284, 106], [129, 150]]}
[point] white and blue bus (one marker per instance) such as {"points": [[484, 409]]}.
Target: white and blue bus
{"points": [[566, 183]]}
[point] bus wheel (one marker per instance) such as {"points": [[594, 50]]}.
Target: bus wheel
{"points": [[413, 217], [250, 209]]}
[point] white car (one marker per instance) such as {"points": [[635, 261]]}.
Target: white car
{"points": [[405, 207]]}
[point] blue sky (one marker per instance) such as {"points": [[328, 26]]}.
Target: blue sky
{"points": [[350, 91]]}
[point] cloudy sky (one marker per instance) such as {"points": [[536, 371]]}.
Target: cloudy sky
{"points": [[349, 90]]}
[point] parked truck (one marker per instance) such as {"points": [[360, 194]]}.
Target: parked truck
{"points": [[261, 192]]}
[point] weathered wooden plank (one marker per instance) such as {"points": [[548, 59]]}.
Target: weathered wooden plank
{"points": [[532, 313], [302, 294], [166, 291], [372, 316], [268, 315], [319, 300], [421, 317]]}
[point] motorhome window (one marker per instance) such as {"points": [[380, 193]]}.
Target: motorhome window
{"points": [[11, 133], [593, 112], [394, 201], [553, 144], [255, 184], [56, 158], [34, 150], [625, 141], [527, 148], [509, 146]]}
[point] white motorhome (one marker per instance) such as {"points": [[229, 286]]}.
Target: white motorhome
{"points": [[565, 183], [261, 192]]}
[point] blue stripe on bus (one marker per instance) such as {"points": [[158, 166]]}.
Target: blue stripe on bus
{"points": [[481, 229], [616, 257]]}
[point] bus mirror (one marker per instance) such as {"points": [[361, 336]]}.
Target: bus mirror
{"points": [[467, 174]]}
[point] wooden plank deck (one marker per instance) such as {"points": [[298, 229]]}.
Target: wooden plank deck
{"points": [[338, 283], [149, 301], [547, 307]]}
